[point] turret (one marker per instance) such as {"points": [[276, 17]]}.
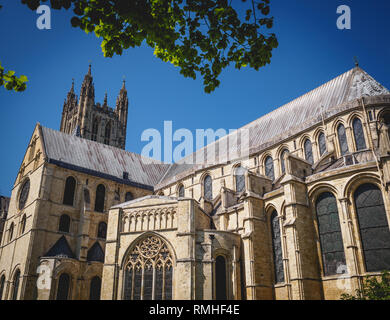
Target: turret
{"points": [[122, 104]]}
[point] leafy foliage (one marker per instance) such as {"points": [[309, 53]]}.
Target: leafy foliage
{"points": [[372, 289], [198, 36], [10, 81]]}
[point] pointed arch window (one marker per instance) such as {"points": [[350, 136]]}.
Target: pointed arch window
{"points": [[64, 225], [239, 174], [23, 195], [220, 277], [63, 287], [94, 290], [2, 283], [308, 151], [343, 143], [11, 232], [70, 186], [95, 127], [322, 143], [23, 224], [102, 230], [358, 134], [269, 168], [107, 133], [149, 271], [374, 227], [181, 191], [277, 248], [15, 288], [331, 240], [208, 188], [282, 160], [99, 199]]}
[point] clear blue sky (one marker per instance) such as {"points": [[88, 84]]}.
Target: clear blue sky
{"points": [[311, 51]]}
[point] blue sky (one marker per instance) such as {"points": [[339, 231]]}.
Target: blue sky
{"points": [[311, 51]]}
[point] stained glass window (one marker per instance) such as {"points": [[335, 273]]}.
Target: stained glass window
{"points": [[208, 188], [277, 248], [100, 195], [63, 287], [2, 282], [308, 151], [269, 168], [240, 179], [64, 225], [94, 290], [16, 285], [70, 186], [322, 143], [149, 265], [330, 236], [282, 160], [220, 285], [129, 196], [374, 227], [358, 134], [102, 230], [181, 191], [342, 139], [24, 194]]}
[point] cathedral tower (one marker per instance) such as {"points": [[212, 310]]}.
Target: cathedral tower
{"points": [[95, 121]]}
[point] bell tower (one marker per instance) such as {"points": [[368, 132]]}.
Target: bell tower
{"points": [[96, 122]]}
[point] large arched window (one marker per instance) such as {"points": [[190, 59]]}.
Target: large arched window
{"points": [[308, 151], [15, 287], [322, 143], [374, 227], [342, 139], [128, 196], [70, 186], [239, 174], [102, 230], [208, 188], [107, 133], [220, 277], [149, 271], [95, 127], [64, 225], [99, 200], [2, 283], [269, 168], [94, 290], [358, 134], [282, 160], [277, 248], [330, 236], [180, 191], [24, 191], [63, 287]]}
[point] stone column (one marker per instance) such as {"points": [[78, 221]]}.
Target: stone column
{"points": [[303, 261]]}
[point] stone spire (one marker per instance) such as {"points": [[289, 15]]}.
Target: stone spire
{"points": [[105, 105], [87, 88]]}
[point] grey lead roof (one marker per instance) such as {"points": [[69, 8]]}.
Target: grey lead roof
{"points": [[294, 117], [284, 122], [99, 159]]}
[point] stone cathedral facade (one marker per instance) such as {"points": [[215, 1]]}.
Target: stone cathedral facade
{"points": [[305, 216]]}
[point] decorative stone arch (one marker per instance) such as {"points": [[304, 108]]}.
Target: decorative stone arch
{"points": [[316, 137], [319, 188], [236, 167], [353, 115], [178, 187], [70, 267], [335, 127], [269, 209], [280, 149], [202, 180], [262, 164], [11, 281], [382, 112], [357, 180], [222, 252]]}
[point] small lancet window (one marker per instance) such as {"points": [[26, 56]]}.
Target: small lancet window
{"points": [[70, 186], [322, 143], [239, 174], [308, 151], [342, 139], [99, 200], [208, 188], [358, 134], [282, 160], [269, 168]]}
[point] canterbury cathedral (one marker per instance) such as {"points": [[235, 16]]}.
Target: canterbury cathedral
{"points": [[304, 216]]}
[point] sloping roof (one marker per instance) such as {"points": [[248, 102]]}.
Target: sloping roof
{"points": [[101, 160], [282, 123], [60, 249]]}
